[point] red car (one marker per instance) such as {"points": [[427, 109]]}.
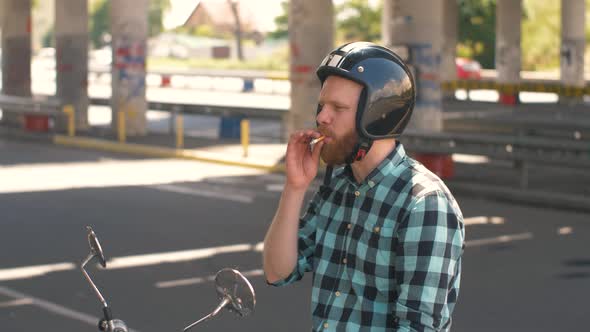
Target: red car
{"points": [[467, 69]]}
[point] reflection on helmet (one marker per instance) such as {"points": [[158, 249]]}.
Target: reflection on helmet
{"points": [[389, 94]]}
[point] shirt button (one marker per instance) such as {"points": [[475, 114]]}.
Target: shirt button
{"points": [[349, 226], [344, 261], [371, 184], [357, 193], [377, 229], [326, 325], [337, 293]]}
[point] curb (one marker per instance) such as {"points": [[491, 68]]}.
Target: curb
{"points": [[18, 133], [159, 152], [528, 197]]}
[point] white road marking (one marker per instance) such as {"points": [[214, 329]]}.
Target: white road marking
{"points": [[483, 220], [16, 303], [565, 230], [51, 307], [119, 173], [225, 194], [259, 247], [275, 187], [470, 159], [200, 280], [176, 256], [27, 272], [499, 239]]}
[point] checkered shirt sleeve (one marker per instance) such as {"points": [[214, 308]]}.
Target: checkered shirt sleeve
{"points": [[429, 246], [305, 245]]}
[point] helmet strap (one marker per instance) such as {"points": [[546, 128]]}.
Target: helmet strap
{"points": [[360, 150]]}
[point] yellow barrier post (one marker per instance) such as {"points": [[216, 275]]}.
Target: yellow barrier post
{"points": [[245, 134], [121, 127], [70, 113], [179, 131]]}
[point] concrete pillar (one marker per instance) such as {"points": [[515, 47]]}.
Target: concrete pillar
{"points": [[508, 54], [448, 71], [423, 32], [573, 44], [311, 38], [71, 59], [16, 53], [129, 30]]}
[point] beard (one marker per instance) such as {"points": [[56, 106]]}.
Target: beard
{"points": [[339, 149]]}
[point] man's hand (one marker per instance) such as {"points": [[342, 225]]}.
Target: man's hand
{"points": [[301, 161]]}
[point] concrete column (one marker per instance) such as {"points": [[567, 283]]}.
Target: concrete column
{"points": [[311, 38], [421, 31], [448, 71], [16, 52], [573, 44], [71, 34], [424, 32], [129, 30], [508, 54]]}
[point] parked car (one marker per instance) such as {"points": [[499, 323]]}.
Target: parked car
{"points": [[467, 69]]}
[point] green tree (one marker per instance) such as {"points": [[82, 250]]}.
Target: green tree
{"points": [[541, 34], [100, 22], [477, 31], [282, 23], [156, 11], [357, 20]]}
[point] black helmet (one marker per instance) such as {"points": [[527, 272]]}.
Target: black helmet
{"points": [[388, 95]]}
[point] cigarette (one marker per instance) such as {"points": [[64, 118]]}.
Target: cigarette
{"points": [[316, 140]]}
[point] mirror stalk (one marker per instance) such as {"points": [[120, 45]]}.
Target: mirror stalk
{"points": [[221, 305], [96, 291]]}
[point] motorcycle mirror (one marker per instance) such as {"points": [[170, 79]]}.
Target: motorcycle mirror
{"points": [[95, 247], [232, 284], [232, 289]]}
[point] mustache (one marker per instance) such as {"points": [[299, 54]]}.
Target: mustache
{"points": [[325, 131]]}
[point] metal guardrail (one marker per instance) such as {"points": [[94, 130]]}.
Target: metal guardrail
{"points": [[39, 106], [485, 83], [523, 150], [36, 104], [523, 86], [218, 110]]}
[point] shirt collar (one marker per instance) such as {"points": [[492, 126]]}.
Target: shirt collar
{"points": [[395, 157]]}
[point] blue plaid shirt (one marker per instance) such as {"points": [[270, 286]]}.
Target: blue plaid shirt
{"points": [[385, 253]]}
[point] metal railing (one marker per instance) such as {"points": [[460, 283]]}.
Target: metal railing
{"points": [[39, 106]]}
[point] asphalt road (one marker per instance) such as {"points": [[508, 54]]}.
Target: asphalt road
{"points": [[525, 268]]}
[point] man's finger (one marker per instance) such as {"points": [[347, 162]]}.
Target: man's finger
{"points": [[317, 149]]}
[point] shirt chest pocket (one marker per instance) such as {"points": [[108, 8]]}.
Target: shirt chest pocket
{"points": [[375, 248]]}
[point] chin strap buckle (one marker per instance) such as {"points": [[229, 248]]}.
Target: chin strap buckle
{"points": [[360, 154]]}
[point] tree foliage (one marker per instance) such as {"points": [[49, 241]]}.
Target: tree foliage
{"points": [[357, 20], [155, 14], [282, 23], [477, 31], [541, 34], [100, 20]]}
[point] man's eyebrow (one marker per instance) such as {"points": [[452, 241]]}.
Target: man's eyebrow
{"points": [[334, 102]]}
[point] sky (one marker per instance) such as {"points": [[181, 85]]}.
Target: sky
{"points": [[267, 10], [181, 9]]}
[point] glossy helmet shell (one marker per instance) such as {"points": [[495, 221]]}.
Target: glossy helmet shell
{"points": [[389, 93]]}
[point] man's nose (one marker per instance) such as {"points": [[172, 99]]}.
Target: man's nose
{"points": [[323, 117]]}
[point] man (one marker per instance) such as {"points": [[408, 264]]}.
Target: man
{"points": [[383, 236]]}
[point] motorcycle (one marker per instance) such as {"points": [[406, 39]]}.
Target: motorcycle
{"points": [[234, 291]]}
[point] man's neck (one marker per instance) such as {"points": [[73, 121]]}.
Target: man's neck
{"points": [[378, 152]]}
